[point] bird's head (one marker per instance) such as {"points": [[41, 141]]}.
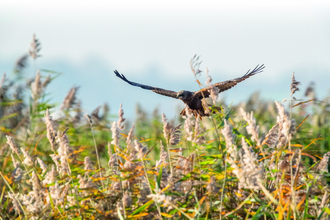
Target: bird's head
{"points": [[183, 94]]}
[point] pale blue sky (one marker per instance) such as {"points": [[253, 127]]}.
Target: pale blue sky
{"points": [[152, 42]]}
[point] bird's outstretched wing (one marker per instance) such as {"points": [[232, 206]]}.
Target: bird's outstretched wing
{"points": [[223, 86], [154, 89]]}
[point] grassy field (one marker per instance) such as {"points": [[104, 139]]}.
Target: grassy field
{"points": [[257, 160]]}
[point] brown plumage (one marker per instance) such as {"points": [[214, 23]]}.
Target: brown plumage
{"points": [[194, 99]]}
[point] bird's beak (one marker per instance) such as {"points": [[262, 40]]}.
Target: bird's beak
{"points": [[179, 95]]}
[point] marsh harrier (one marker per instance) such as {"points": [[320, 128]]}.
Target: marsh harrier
{"points": [[194, 99]]}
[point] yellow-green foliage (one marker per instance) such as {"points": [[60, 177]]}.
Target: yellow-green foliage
{"points": [[59, 164]]}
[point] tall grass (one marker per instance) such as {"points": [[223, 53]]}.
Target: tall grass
{"points": [[235, 165]]}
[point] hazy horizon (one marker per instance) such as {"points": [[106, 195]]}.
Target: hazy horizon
{"points": [[153, 43]]}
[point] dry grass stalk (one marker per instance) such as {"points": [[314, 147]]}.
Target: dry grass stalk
{"points": [[70, 98], [252, 127], [12, 144], [227, 132], [115, 135], [215, 90], [130, 136], [88, 164], [89, 119], [272, 136], [141, 150], [199, 139], [34, 48], [188, 124], [42, 165], [323, 165], [195, 64], [121, 120], [175, 136], [51, 130], [167, 128], [287, 126], [294, 85], [28, 160]]}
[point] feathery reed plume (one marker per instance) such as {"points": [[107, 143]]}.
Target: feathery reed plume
{"points": [[252, 127], [323, 165], [36, 86], [112, 157], [163, 154], [56, 159], [175, 135], [130, 166], [121, 120], [215, 90], [287, 126], [294, 85], [85, 183], [12, 144], [250, 173], [188, 124], [16, 204], [50, 176], [36, 182], [42, 165], [21, 63], [15, 163], [113, 161], [167, 128], [198, 138], [70, 98], [88, 164], [115, 135], [37, 194], [65, 168], [195, 64], [28, 160], [140, 149], [227, 132], [51, 130], [64, 148], [272, 136], [55, 191], [96, 150], [130, 136], [17, 174], [34, 48]]}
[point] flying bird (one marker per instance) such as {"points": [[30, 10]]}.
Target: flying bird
{"points": [[194, 99]]}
